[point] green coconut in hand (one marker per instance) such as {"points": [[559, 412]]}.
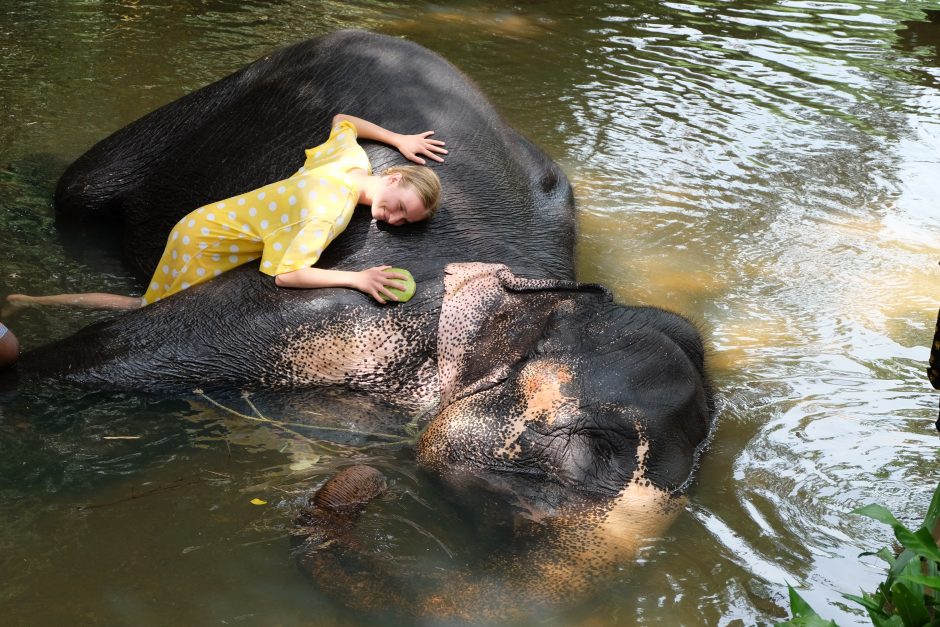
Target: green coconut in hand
{"points": [[409, 282]]}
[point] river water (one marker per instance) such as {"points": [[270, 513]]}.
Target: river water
{"points": [[770, 169]]}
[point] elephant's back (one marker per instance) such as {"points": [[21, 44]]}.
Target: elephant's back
{"points": [[504, 200]]}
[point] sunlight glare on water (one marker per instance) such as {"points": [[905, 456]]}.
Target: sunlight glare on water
{"points": [[766, 168]]}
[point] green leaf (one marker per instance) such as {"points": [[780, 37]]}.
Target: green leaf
{"points": [[870, 603], [876, 604], [909, 606], [901, 563], [879, 513], [912, 575], [803, 614], [887, 555], [798, 605], [913, 569], [919, 541], [933, 510], [923, 580], [884, 554], [892, 621]]}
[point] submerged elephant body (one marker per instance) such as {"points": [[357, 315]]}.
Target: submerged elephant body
{"points": [[588, 414]]}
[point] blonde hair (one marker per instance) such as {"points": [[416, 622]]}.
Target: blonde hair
{"points": [[424, 181]]}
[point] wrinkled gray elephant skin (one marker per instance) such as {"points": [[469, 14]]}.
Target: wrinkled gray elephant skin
{"points": [[587, 414]]}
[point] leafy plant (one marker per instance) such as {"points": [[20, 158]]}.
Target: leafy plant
{"points": [[908, 597], [803, 614]]}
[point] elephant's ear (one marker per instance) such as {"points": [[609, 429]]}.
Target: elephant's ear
{"points": [[490, 320], [514, 283]]}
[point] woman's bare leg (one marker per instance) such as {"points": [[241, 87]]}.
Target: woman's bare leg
{"points": [[91, 300]]}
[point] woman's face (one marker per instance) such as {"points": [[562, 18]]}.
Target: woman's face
{"points": [[396, 202]]}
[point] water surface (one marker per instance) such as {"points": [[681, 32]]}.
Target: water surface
{"points": [[769, 169]]}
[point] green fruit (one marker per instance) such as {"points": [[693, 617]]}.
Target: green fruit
{"points": [[409, 291]]}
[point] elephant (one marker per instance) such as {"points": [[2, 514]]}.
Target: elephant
{"points": [[539, 390]]}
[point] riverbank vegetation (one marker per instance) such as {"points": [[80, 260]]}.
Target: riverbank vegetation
{"points": [[908, 595]]}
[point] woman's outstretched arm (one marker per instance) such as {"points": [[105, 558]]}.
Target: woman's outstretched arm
{"points": [[408, 145], [374, 281]]}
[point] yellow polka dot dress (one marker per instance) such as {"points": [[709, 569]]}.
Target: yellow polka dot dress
{"points": [[286, 224]]}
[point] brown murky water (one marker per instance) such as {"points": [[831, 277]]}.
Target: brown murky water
{"points": [[768, 168]]}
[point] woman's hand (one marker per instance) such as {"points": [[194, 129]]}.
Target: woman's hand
{"points": [[409, 145], [413, 145], [376, 281]]}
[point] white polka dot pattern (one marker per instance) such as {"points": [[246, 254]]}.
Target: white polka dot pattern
{"points": [[291, 237]]}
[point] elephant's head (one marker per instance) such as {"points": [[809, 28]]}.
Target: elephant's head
{"points": [[586, 414], [553, 381]]}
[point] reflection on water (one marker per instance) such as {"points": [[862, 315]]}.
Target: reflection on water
{"points": [[766, 168]]}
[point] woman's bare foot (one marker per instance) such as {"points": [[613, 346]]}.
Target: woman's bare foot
{"points": [[12, 304]]}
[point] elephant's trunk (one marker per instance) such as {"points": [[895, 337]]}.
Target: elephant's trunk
{"points": [[325, 546], [336, 507], [566, 558], [345, 495]]}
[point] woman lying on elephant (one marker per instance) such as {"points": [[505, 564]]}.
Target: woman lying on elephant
{"points": [[289, 223]]}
